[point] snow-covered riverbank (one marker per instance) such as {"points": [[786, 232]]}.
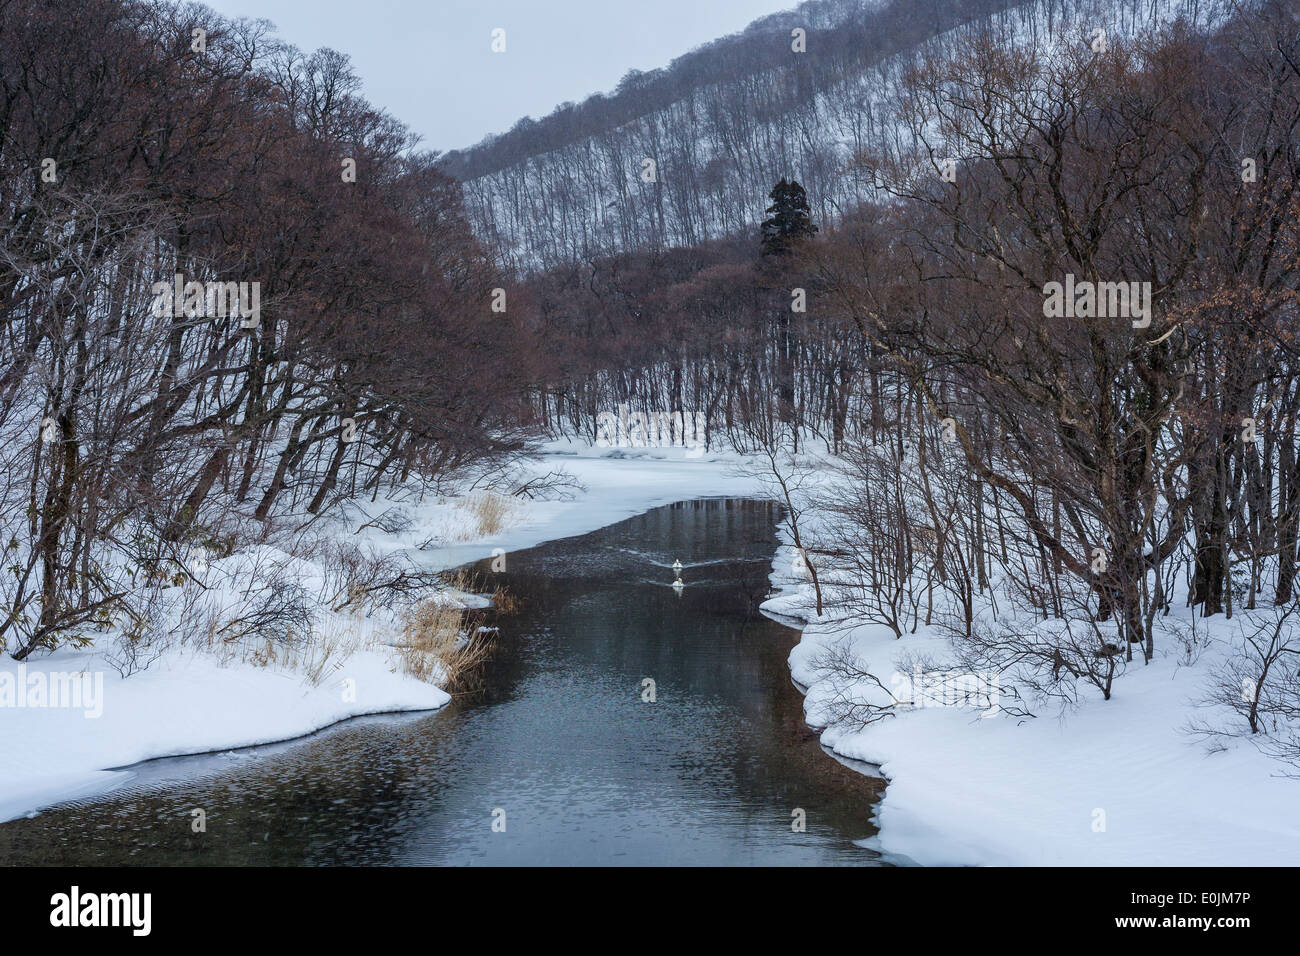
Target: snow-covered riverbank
{"points": [[963, 788], [191, 701], [1118, 782]]}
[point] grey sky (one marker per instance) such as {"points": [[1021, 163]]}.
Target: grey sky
{"points": [[429, 62]]}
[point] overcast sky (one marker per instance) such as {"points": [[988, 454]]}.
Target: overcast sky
{"points": [[430, 64]]}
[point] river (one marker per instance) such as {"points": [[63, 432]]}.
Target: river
{"points": [[557, 758]]}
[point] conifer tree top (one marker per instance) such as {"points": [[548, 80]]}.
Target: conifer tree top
{"points": [[790, 219]]}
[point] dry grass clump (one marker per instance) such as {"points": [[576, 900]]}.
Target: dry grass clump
{"points": [[322, 657], [316, 655], [431, 633], [505, 602], [489, 510], [435, 647]]}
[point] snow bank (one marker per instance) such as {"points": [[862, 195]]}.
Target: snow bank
{"points": [[185, 703], [1114, 783], [190, 702]]}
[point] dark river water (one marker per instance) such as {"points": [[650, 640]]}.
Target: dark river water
{"points": [[558, 744]]}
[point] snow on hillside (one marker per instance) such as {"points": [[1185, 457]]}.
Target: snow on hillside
{"points": [[718, 150]]}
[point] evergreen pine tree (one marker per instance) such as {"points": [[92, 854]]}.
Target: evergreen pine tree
{"points": [[790, 219]]}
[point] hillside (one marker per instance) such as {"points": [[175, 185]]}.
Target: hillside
{"points": [[727, 120]]}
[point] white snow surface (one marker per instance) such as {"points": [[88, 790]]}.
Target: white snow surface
{"points": [[1111, 783], [963, 789], [189, 702]]}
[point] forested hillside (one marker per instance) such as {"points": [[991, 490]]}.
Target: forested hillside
{"points": [[722, 123], [209, 245]]}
